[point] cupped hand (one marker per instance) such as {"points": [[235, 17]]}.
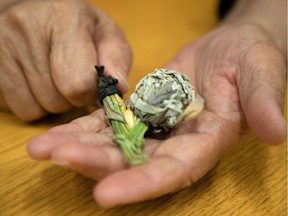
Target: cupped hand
{"points": [[239, 72], [48, 52]]}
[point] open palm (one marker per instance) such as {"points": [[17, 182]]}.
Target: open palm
{"points": [[241, 78]]}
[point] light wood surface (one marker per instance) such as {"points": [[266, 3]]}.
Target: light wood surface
{"points": [[249, 181]]}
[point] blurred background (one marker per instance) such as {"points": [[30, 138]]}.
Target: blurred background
{"points": [[156, 30]]}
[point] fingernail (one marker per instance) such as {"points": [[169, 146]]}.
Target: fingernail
{"points": [[122, 78]]}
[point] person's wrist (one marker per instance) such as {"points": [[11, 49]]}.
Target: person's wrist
{"points": [[272, 18], [277, 34]]}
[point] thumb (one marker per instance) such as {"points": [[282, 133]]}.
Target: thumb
{"points": [[184, 60], [261, 84], [113, 50]]}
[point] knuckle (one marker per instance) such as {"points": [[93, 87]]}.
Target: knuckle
{"points": [[79, 92], [65, 8], [61, 6], [70, 14]]}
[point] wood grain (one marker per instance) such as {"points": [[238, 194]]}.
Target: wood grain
{"points": [[249, 181]]}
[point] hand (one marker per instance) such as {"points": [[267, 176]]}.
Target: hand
{"points": [[238, 71], [48, 52]]}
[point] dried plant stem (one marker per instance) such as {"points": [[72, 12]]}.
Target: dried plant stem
{"points": [[129, 130]]}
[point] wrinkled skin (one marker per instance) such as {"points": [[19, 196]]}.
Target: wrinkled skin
{"points": [[241, 75], [48, 52]]}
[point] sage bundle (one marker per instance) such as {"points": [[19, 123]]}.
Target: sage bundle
{"points": [[165, 98], [129, 130], [161, 101]]}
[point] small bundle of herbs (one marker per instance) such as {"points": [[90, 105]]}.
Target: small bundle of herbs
{"points": [[161, 101], [129, 130]]}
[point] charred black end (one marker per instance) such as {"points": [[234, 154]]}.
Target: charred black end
{"points": [[107, 85]]}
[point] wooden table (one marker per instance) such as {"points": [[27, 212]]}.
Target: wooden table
{"points": [[250, 181]]}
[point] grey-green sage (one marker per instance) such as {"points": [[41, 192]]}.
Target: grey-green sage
{"points": [[165, 98]]}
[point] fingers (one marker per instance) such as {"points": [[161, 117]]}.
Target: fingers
{"points": [[261, 88], [84, 145], [94, 155], [141, 183], [172, 168], [31, 56], [73, 54], [15, 91], [90, 161], [90, 154], [56, 55], [42, 146], [78, 45], [34, 61], [80, 131], [95, 122], [113, 50]]}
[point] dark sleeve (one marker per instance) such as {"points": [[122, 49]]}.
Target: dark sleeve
{"points": [[224, 7]]}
